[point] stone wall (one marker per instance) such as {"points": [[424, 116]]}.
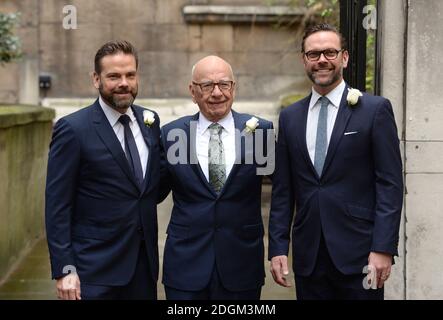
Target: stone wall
{"points": [[424, 151], [264, 58], [392, 80], [25, 133], [411, 72]]}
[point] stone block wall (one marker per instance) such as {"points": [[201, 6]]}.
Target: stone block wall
{"points": [[424, 151], [411, 74], [264, 58], [25, 133]]}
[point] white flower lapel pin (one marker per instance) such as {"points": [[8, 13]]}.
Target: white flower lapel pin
{"points": [[251, 125], [353, 96], [148, 117]]}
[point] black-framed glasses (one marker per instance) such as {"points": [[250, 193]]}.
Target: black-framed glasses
{"points": [[208, 87], [329, 54]]}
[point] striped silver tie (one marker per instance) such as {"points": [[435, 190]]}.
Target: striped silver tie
{"points": [[216, 158]]}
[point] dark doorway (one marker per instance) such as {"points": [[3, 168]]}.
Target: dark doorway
{"points": [[361, 34]]}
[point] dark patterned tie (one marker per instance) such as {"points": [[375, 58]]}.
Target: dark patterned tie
{"points": [[321, 142], [216, 158], [131, 150]]}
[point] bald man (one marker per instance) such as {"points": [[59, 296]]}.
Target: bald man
{"points": [[214, 248]]}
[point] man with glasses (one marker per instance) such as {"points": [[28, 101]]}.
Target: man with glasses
{"points": [[214, 249], [338, 163]]}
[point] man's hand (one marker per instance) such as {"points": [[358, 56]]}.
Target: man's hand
{"points": [[382, 262], [279, 270], [68, 287]]}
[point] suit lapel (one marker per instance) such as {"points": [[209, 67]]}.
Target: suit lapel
{"points": [[301, 133], [191, 134], [343, 116], [147, 137], [107, 135], [239, 123]]}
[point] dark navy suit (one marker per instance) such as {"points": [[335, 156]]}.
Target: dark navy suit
{"points": [[97, 215], [355, 206], [214, 236]]}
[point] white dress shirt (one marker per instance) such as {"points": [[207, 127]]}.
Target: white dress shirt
{"points": [[113, 115], [227, 137], [314, 109]]}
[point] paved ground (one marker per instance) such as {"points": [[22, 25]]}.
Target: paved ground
{"points": [[31, 280]]}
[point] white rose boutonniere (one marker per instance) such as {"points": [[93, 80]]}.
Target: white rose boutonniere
{"points": [[353, 96], [251, 125], [148, 117]]}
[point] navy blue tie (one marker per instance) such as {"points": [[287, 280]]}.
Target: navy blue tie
{"points": [[131, 150]]}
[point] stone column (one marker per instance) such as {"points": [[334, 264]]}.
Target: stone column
{"points": [[392, 24], [424, 150]]}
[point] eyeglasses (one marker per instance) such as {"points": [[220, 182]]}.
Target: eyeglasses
{"points": [[329, 54], [208, 87]]}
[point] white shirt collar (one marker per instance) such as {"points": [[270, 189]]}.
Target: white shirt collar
{"points": [[334, 96], [113, 115], [227, 123]]}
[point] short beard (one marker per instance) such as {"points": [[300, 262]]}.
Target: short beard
{"points": [[335, 77], [119, 105]]}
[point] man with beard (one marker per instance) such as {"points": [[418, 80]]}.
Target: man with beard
{"points": [[102, 189], [338, 163]]}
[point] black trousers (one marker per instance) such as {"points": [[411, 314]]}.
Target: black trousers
{"points": [[327, 283], [140, 287]]}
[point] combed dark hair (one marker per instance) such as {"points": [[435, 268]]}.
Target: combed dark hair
{"points": [[323, 27], [114, 47]]}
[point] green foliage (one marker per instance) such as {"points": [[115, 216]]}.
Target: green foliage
{"points": [[9, 44], [327, 10], [370, 56], [370, 60]]}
